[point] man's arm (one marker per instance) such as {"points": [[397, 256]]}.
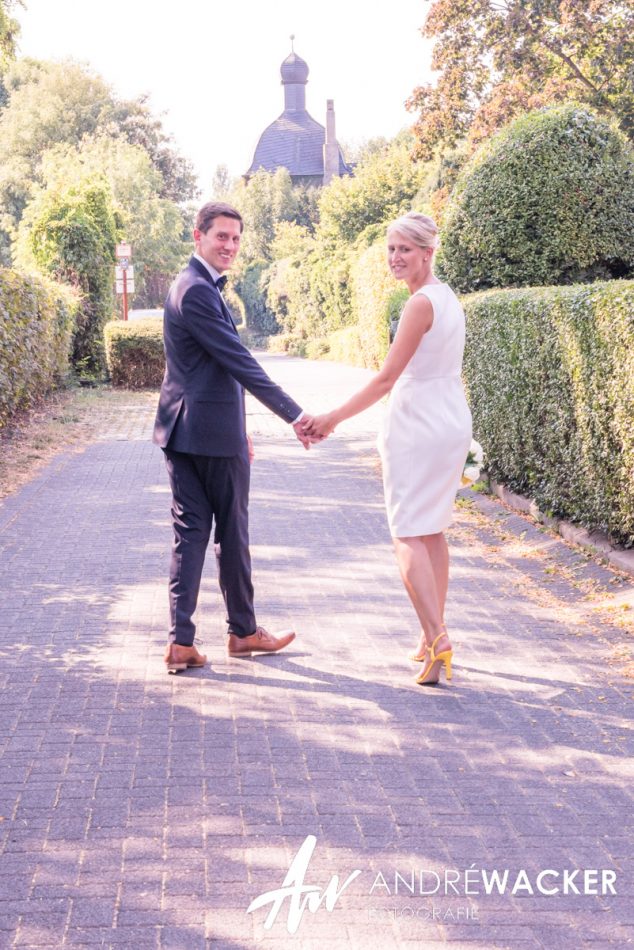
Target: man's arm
{"points": [[207, 325]]}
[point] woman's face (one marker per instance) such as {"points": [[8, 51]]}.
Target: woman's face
{"points": [[406, 260]]}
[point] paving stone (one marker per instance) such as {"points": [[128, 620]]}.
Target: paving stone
{"points": [[165, 805]]}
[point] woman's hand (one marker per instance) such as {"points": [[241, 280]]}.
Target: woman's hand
{"points": [[321, 426]]}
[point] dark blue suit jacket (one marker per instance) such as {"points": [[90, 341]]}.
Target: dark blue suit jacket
{"points": [[201, 405]]}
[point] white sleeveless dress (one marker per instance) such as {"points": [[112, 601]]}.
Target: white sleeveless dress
{"points": [[426, 432]]}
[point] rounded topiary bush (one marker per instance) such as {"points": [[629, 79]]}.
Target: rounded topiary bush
{"points": [[548, 200]]}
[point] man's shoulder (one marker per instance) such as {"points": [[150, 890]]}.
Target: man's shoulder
{"points": [[192, 273], [189, 279]]}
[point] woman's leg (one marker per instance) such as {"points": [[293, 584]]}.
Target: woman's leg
{"points": [[423, 564], [436, 545]]}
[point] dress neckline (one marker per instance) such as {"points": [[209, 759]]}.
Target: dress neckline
{"points": [[424, 286]]}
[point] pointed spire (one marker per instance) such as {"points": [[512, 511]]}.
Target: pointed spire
{"points": [[292, 46]]}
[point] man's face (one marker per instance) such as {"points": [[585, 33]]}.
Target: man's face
{"points": [[220, 244]]}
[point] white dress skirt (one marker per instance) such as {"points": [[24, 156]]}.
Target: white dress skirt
{"points": [[426, 431]]}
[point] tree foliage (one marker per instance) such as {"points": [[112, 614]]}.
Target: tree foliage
{"points": [[498, 58], [154, 226], [69, 232], [65, 104], [266, 200], [549, 200], [221, 184], [9, 29], [384, 186]]}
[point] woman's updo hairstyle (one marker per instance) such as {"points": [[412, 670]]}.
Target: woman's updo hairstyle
{"points": [[420, 229]]}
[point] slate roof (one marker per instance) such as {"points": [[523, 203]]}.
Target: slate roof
{"points": [[294, 141]]}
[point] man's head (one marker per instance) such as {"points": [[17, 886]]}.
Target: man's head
{"points": [[217, 232]]}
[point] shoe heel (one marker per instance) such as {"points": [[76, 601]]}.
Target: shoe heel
{"points": [[445, 658]]}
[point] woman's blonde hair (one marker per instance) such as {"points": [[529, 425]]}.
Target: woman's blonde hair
{"points": [[420, 229]]}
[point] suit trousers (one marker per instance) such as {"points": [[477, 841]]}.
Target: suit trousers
{"points": [[209, 491]]}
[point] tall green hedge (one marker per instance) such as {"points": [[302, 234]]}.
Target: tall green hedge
{"points": [[70, 232], [339, 306], [37, 319], [550, 376], [377, 298]]}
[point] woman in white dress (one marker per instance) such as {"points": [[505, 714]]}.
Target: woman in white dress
{"points": [[426, 432]]}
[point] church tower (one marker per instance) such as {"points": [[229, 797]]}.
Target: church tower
{"points": [[295, 140]]}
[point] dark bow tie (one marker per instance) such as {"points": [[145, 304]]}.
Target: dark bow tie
{"points": [[220, 283]]}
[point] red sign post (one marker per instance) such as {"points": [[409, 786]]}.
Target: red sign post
{"points": [[124, 274]]}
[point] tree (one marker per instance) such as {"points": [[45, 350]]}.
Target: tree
{"points": [[70, 233], [63, 104], [497, 58], [134, 121], [221, 184], [357, 153], [383, 187], [9, 29], [265, 200], [548, 200], [152, 225]]}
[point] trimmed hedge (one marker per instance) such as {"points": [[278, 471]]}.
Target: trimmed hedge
{"points": [[134, 353], [550, 376], [548, 200], [37, 320]]}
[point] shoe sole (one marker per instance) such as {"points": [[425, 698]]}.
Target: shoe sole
{"points": [[248, 653], [258, 652]]}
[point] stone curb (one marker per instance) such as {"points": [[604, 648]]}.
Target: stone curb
{"points": [[594, 541]]}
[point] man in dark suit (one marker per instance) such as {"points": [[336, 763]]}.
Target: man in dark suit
{"points": [[200, 425]]}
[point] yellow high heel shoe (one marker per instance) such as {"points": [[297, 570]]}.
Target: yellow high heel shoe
{"points": [[434, 664]]}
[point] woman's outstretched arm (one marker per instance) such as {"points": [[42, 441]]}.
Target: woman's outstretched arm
{"points": [[415, 321]]}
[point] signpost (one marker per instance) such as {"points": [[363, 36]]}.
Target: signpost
{"points": [[124, 274]]}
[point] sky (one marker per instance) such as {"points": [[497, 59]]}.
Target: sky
{"points": [[212, 69]]}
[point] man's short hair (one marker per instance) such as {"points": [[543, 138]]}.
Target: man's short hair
{"points": [[216, 209]]}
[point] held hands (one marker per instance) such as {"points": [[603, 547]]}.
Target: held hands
{"points": [[320, 427], [312, 429]]}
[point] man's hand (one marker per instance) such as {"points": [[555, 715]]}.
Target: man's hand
{"points": [[299, 430], [304, 431], [250, 447]]}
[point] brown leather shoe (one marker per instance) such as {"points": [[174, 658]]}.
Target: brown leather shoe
{"points": [[178, 657], [259, 642]]}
